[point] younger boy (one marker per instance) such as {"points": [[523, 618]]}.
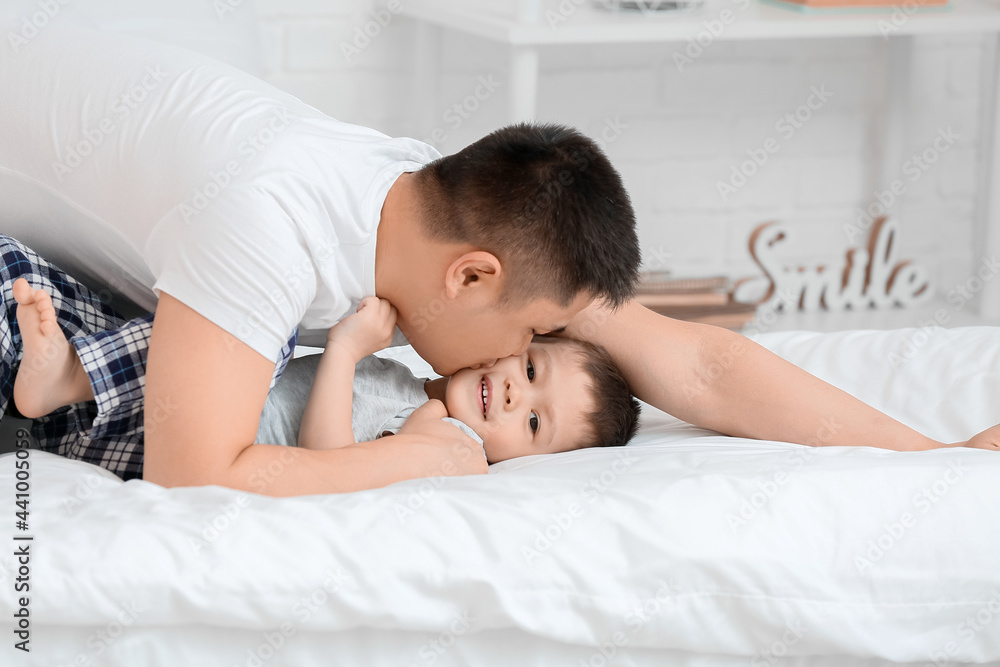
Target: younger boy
{"points": [[559, 395]]}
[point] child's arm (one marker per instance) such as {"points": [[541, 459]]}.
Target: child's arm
{"points": [[718, 379], [326, 423]]}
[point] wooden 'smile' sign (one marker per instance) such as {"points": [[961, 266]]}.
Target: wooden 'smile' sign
{"points": [[867, 277]]}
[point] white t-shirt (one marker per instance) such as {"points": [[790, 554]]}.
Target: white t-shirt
{"points": [[150, 168]]}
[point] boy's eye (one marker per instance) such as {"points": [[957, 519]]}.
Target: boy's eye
{"points": [[533, 422], [531, 371]]}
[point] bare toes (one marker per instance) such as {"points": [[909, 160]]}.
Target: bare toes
{"points": [[47, 327], [44, 302], [22, 291], [46, 312]]}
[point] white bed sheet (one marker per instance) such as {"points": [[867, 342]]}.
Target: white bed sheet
{"points": [[684, 548]]}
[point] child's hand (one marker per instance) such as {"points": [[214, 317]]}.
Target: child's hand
{"points": [[366, 331], [442, 449], [988, 439]]}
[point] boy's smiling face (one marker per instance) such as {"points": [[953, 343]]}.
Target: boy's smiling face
{"points": [[534, 403]]}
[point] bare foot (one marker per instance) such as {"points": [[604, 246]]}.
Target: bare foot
{"points": [[49, 376]]}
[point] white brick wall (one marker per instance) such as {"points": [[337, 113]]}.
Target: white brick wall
{"points": [[685, 130]]}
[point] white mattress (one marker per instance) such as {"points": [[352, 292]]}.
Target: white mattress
{"points": [[685, 548]]}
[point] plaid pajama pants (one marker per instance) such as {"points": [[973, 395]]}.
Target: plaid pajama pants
{"points": [[107, 431]]}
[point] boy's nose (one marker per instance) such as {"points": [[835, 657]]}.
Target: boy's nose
{"points": [[513, 394]]}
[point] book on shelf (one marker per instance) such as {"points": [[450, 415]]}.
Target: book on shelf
{"points": [[683, 299], [660, 282], [706, 299], [732, 315], [685, 312]]}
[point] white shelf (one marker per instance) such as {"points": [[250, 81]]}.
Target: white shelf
{"points": [[588, 24]]}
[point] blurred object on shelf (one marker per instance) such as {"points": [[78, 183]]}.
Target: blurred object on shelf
{"points": [[661, 282], [731, 315], [707, 300], [911, 5], [649, 6]]}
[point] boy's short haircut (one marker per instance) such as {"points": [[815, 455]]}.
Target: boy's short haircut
{"points": [[615, 417], [548, 203]]}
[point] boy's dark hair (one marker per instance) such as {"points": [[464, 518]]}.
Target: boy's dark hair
{"points": [[615, 417], [548, 203]]}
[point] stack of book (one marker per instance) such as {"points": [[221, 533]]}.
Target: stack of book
{"points": [[706, 300]]}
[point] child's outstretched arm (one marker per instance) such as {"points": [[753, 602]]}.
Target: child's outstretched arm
{"points": [[718, 379], [326, 423]]}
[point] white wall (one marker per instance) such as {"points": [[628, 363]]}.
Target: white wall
{"points": [[684, 130]]}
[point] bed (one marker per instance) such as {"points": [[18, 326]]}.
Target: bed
{"points": [[684, 548]]}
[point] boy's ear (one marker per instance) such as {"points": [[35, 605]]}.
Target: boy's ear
{"points": [[478, 270]]}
